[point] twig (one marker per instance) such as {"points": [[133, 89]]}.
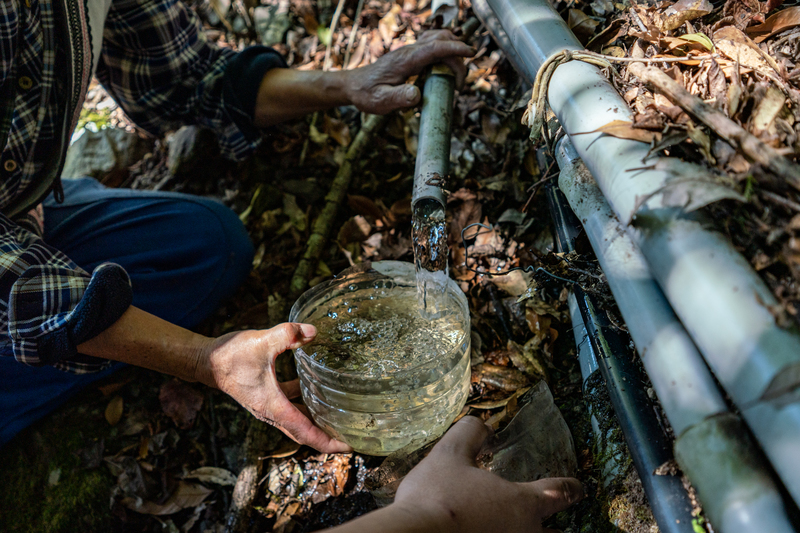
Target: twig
{"points": [[780, 200], [753, 148], [352, 38], [221, 16], [336, 14], [613, 59], [258, 440], [324, 222]]}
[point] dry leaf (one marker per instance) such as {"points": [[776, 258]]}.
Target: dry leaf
{"points": [[364, 206], [623, 129], [285, 448], [180, 402], [212, 474], [389, 25], [581, 25], [114, 410], [185, 496], [338, 130], [734, 44], [494, 404], [690, 187], [767, 110], [780, 21], [682, 11]]}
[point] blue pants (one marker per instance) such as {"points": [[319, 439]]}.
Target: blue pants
{"points": [[184, 254]]}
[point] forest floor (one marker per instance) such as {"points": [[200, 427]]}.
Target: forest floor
{"points": [[142, 452]]}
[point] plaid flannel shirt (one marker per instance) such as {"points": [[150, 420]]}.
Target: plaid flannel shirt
{"points": [[157, 64]]}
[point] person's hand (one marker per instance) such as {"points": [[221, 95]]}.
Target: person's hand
{"points": [[242, 364], [460, 497], [380, 88]]}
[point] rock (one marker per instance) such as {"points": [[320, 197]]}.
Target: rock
{"points": [[105, 154], [190, 148]]}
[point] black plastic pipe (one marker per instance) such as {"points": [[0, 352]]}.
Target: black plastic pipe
{"points": [[646, 441]]}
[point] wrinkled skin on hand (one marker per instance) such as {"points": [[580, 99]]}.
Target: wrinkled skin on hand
{"points": [[380, 88], [447, 483], [242, 364]]}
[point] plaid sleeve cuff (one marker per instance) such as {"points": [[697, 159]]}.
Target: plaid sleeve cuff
{"points": [[51, 338], [243, 76]]}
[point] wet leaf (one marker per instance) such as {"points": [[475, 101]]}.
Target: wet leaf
{"points": [[507, 379], [186, 496], [780, 21], [180, 402], [114, 410], [212, 474], [623, 129], [682, 11]]}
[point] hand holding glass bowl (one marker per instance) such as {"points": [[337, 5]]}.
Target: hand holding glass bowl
{"points": [[378, 376]]}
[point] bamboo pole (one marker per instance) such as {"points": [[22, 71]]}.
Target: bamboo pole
{"points": [[322, 226]]}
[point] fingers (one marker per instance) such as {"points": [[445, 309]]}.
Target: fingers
{"points": [[463, 441], [555, 494], [300, 428], [387, 98]]}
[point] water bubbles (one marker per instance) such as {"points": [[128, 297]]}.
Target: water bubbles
{"points": [[352, 287], [381, 336]]}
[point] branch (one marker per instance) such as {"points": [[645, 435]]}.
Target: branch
{"points": [[322, 226], [749, 145]]}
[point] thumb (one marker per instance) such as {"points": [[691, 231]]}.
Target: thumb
{"points": [[462, 441], [388, 98], [554, 494], [288, 336]]}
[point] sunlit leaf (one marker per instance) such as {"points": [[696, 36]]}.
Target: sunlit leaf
{"points": [[622, 129], [700, 38], [780, 21], [682, 11]]}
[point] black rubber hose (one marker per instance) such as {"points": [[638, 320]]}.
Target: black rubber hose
{"points": [[649, 447]]}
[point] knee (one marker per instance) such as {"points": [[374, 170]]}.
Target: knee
{"points": [[233, 240]]}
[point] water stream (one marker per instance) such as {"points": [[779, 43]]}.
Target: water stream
{"points": [[429, 236]]}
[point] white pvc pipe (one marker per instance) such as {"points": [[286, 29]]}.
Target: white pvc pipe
{"points": [[721, 301], [712, 447]]}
